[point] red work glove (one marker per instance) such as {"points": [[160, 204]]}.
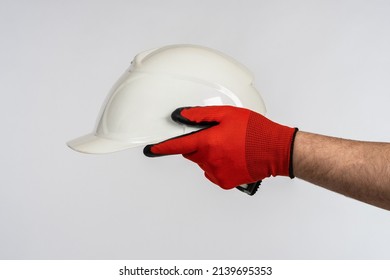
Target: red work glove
{"points": [[238, 146]]}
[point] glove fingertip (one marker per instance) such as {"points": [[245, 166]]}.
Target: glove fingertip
{"points": [[177, 116], [198, 116], [148, 151]]}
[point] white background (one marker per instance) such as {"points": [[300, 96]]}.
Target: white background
{"points": [[322, 66]]}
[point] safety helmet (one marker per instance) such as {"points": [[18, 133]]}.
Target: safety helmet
{"points": [[138, 108]]}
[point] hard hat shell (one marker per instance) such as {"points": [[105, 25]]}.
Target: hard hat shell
{"points": [[138, 108]]}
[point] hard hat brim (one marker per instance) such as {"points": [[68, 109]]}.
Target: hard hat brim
{"points": [[93, 144]]}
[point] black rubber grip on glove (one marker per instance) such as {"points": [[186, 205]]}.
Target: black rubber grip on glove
{"points": [[179, 118]]}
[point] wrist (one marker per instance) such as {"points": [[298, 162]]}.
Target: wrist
{"points": [[291, 160], [269, 148]]}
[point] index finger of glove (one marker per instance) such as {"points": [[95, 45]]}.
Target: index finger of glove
{"points": [[179, 145]]}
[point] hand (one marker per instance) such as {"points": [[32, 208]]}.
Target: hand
{"points": [[236, 146]]}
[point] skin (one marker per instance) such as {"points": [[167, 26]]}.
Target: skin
{"points": [[357, 169]]}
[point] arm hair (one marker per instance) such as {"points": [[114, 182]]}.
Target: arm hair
{"points": [[360, 170]]}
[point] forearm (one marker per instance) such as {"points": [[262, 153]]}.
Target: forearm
{"points": [[359, 170]]}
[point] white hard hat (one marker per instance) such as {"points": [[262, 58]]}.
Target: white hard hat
{"points": [[138, 108]]}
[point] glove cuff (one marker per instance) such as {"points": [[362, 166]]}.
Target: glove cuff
{"points": [[291, 165]]}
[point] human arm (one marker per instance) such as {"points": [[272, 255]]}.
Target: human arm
{"points": [[239, 146], [357, 169]]}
